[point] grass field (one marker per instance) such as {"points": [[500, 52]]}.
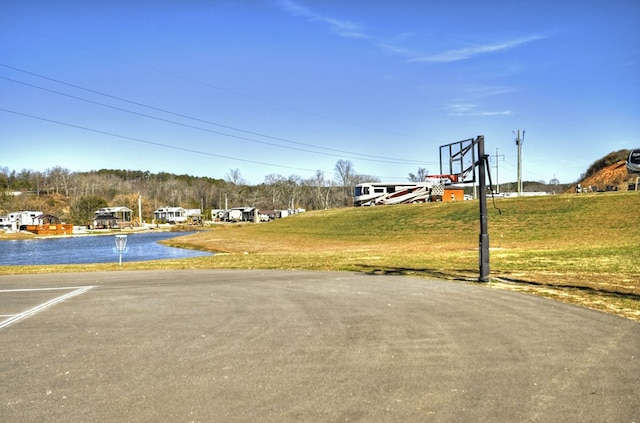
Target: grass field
{"points": [[582, 249]]}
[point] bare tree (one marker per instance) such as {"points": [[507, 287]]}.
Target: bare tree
{"points": [[346, 179], [321, 189], [235, 187], [274, 185], [344, 172], [234, 177], [293, 189], [59, 180], [419, 176]]}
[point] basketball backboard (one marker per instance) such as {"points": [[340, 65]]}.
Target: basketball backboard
{"points": [[459, 159]]}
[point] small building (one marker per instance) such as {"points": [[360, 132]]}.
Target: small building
{"points": [[194, 216], [178, 216], [243, 214], [112, 217], [235, 214], [217, 215], [50, 225], [453, 194], [20, 219], [26, 217], [249, 214], [446, 193], [171, 215], [35, 222]]}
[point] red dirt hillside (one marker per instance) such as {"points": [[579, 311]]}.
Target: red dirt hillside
{"points": [[614, 175]]}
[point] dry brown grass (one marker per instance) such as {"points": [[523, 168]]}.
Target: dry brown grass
{"points": [[581, 249]]}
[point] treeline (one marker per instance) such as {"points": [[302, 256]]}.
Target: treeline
{"points": [[74, 196]]}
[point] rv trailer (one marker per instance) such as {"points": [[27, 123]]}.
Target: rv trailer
{"points": [[378, 193]]}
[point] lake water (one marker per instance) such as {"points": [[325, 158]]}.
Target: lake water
{"points": [[92, 249]]}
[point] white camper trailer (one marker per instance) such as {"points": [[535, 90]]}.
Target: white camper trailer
{"points": [[378, 193], [20, 219]]}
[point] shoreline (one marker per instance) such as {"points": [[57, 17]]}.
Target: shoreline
{"points": [[25, 235]]}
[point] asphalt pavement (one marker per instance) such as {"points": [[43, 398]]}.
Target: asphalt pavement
{"points": [[294, 346]]}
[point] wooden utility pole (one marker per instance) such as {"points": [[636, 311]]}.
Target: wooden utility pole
{"points": [[139, 210], [519, 143], [497, 156]]}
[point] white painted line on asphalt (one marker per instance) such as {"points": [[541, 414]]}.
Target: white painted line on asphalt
{"points": [[20, 316], [57, 288]]}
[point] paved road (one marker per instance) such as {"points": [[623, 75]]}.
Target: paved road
{"points": [[272, 346]]}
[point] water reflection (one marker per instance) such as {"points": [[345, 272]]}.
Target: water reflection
{"points": [[91, 249]]}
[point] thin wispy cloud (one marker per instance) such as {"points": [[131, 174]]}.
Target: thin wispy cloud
{"points": [[347, 28], [338, 26], [394, 49], [470, 109], [470, 52]]}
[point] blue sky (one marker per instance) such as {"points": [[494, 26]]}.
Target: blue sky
{"points": [[290, 87]]}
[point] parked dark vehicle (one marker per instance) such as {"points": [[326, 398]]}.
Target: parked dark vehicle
{"points": [[633, 162]]}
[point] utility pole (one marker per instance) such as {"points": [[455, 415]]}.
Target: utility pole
{"points": [[497, 156], [519, 143]]}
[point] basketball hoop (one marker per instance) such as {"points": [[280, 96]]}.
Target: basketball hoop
{"points": [[459, 160]]}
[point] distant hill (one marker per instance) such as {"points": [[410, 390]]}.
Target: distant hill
{"points": [[608, 174]]}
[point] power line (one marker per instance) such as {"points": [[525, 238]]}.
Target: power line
{"points": [[215, 87], [140, 140], [379, 158], [197, 127], [529, 172]]}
